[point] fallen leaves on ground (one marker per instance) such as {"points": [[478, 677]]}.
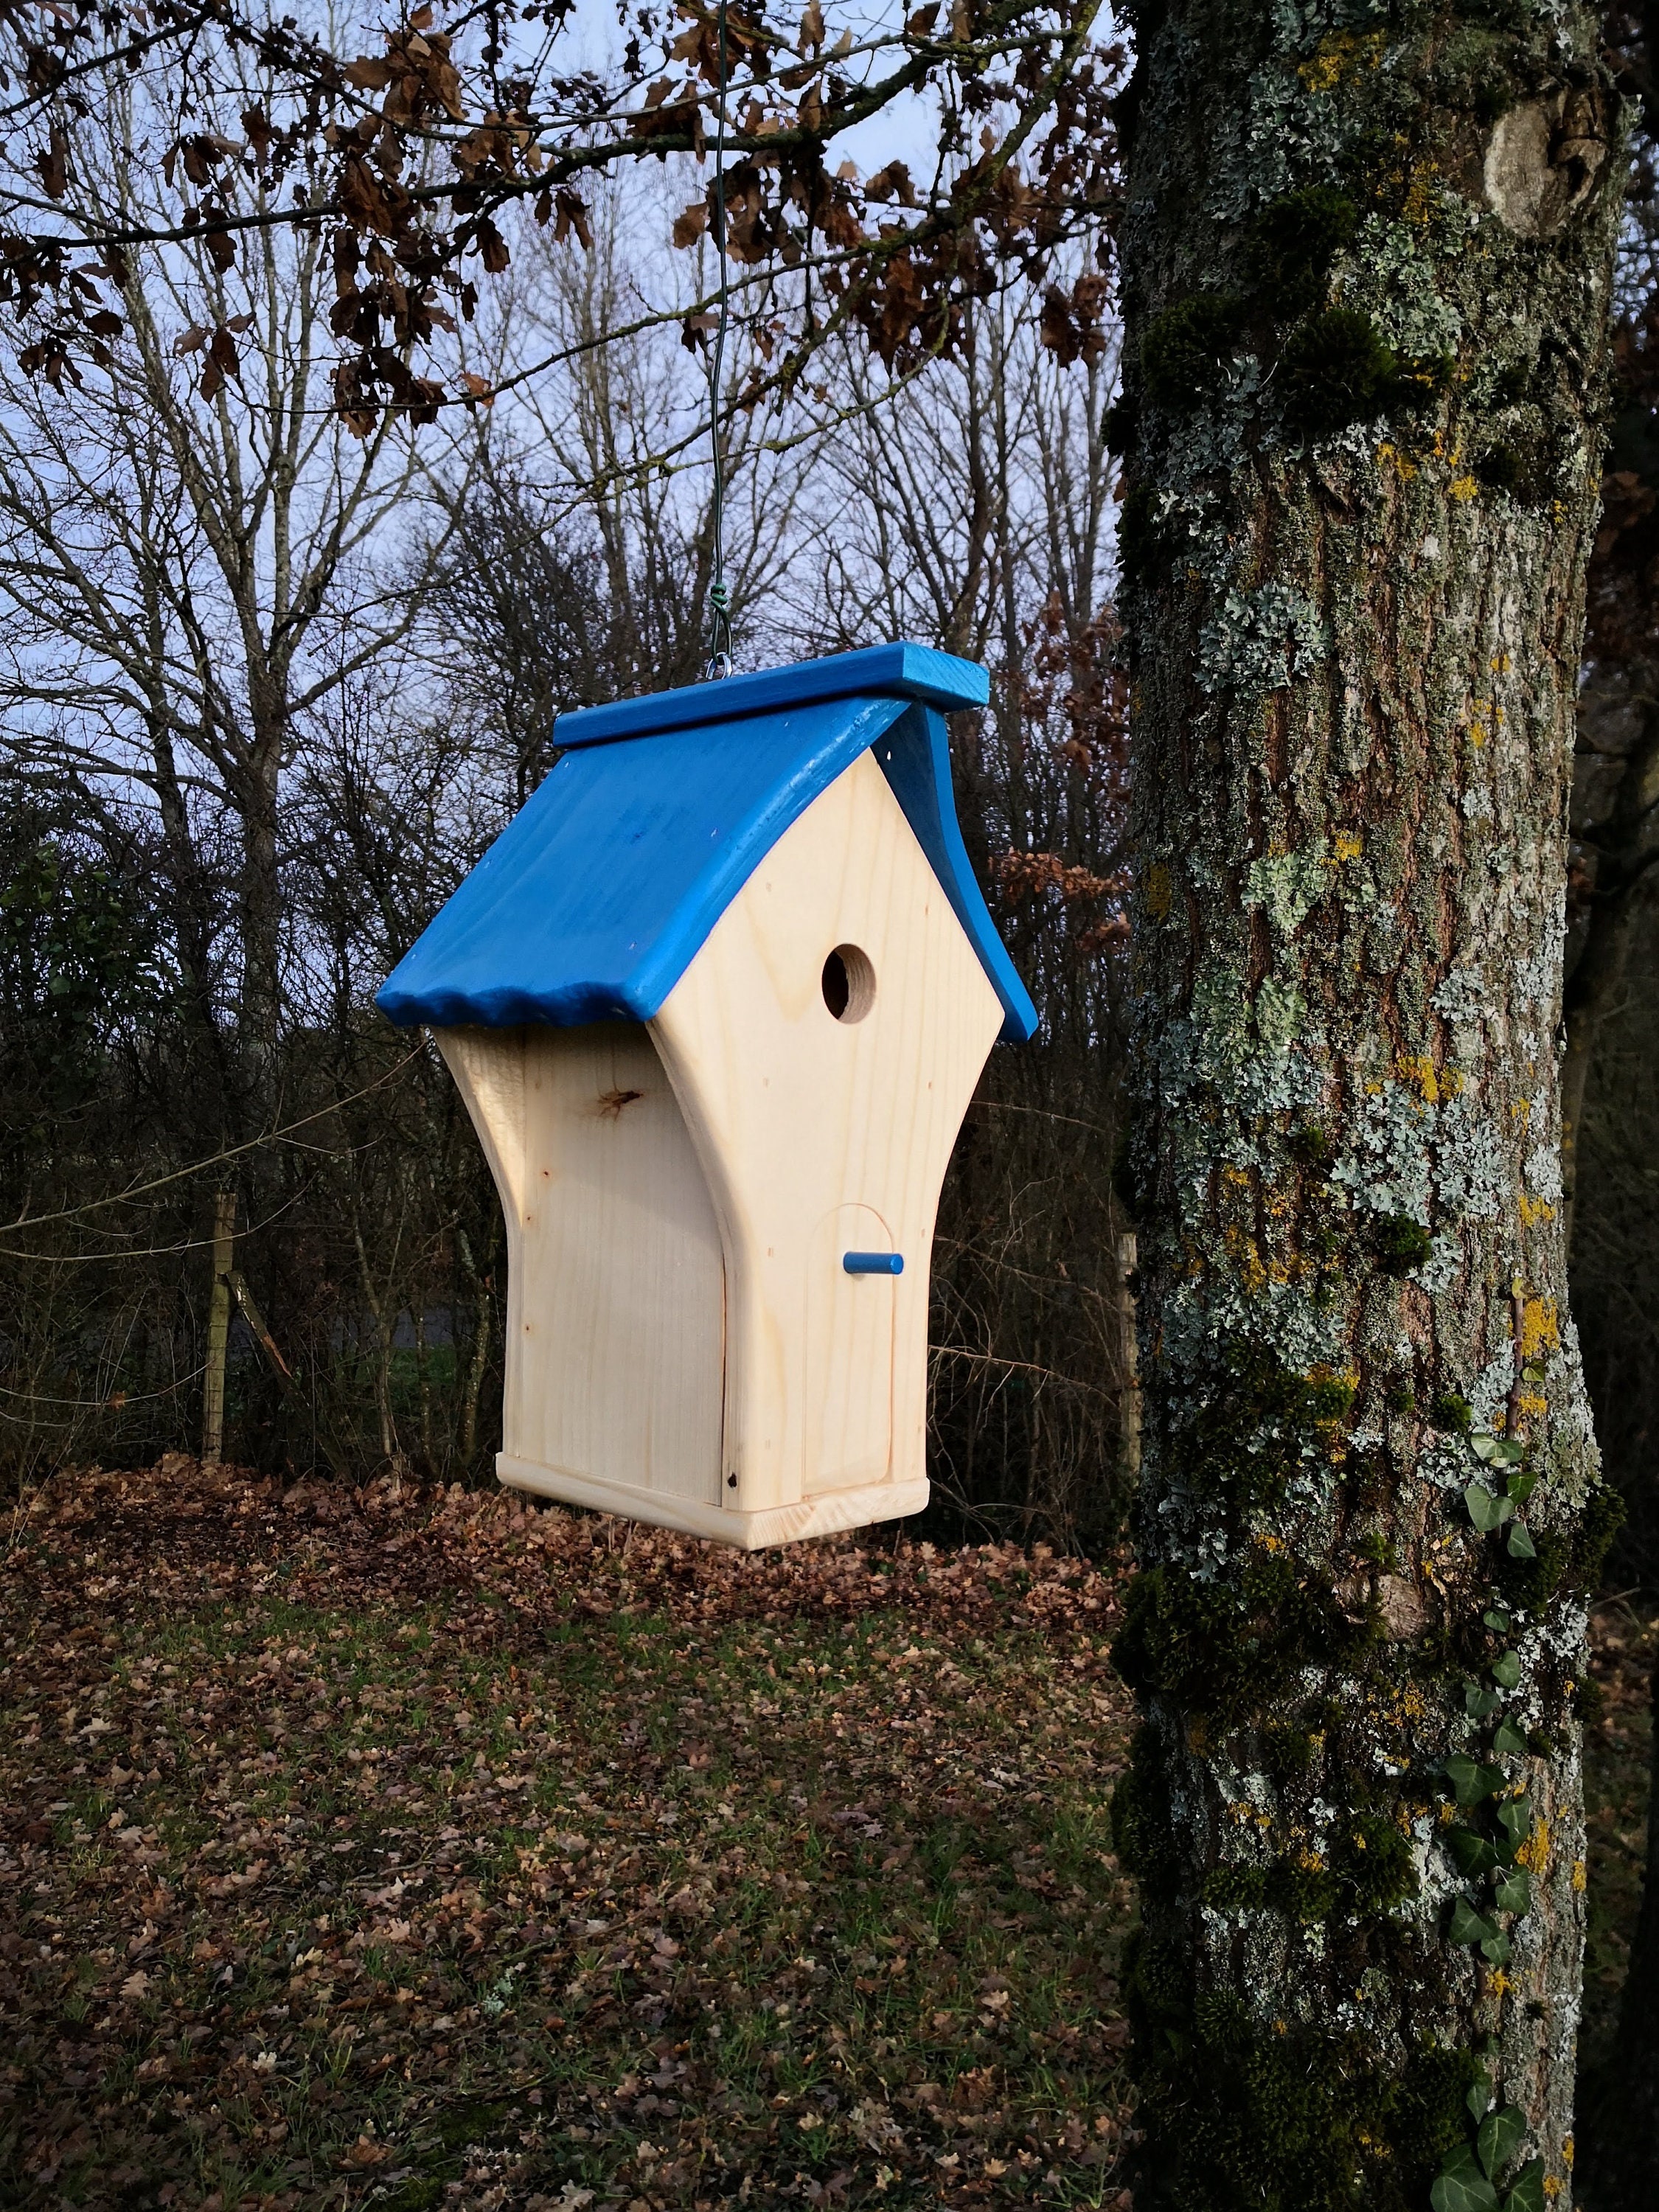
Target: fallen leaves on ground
{"points": [[414, 1848]]}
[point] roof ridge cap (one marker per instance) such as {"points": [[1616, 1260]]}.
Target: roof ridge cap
{"points": [[901, 670]]}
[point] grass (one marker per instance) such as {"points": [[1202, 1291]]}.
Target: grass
{"points": [[376, 1849]]}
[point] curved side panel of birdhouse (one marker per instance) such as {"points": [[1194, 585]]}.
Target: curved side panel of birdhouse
{"points": [[615, 1336]]}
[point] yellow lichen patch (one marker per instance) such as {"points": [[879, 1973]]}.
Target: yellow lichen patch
{"points": [[1500, 1983], [1420, 196], [1241, 1250], [1535, 1853], [1265, 1542], [1349, 845], [1323, 1371], [1533, 1407], [1477, 734], [1344, 54], [1462, 488], [1569, 2152], [1398, 1709], [1389, 455], [1540, 1329], [1580, 1878], [1535, 1209], [1500, 664], [1417, 1068], [1552, 2184], [1159, 892], [1522, 1109]]}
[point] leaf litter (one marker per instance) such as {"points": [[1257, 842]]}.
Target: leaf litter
{"points": [[425, 1848]]}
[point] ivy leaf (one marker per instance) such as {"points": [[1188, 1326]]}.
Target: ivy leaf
{"points": [[1513, 1893], [1521, 1546], [1471, 1782], [1521, 1484], [1478, 1703], [1515, 1818], [1460, 2186], [1496, 1451], [1532, 1372], [1500, 2135], [1508, 1740], [1478, 2099], [1495, 1950], [1468, 1926], [1487, 1511], [1471, 1854], [1496, 1620], [1506, 1670], [1528, 2194]]}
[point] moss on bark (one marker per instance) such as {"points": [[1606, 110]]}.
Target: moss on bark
{"points": [[1366, 254]]}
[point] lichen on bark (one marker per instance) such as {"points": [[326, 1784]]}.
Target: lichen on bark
{"points": [[1366, 255]]}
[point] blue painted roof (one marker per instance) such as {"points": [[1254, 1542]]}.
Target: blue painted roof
{"points": [[597, 898]]}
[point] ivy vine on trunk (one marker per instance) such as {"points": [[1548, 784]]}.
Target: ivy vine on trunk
{"points": [[1366, 261]]}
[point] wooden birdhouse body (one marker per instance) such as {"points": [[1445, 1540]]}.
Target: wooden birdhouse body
{"points": [[721, 1205]]}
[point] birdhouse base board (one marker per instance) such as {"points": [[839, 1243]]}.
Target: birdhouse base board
{"points": [[823, 1515]]}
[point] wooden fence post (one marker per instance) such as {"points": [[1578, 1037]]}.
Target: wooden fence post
{"points": [[213, 1395]]}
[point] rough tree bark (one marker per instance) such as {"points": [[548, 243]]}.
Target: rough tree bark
{"points": [[1367, 260]]}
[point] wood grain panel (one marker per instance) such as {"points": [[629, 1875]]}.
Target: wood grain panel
{"points": [[849, 1356], [615, 1282], [794, 1114]]}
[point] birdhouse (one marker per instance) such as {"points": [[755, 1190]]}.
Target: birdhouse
{"points": [[717, 999]]}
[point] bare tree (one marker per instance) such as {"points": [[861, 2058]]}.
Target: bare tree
{"points": [[189, 541], [619, 430]]}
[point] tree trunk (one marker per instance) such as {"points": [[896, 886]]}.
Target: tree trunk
{"points": [[482, 1286], [1128, 1417], [260, 894], [1365, 282], [192, 927]]}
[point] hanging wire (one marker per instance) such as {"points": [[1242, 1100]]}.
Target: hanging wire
{"points": [[720, 594]]}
